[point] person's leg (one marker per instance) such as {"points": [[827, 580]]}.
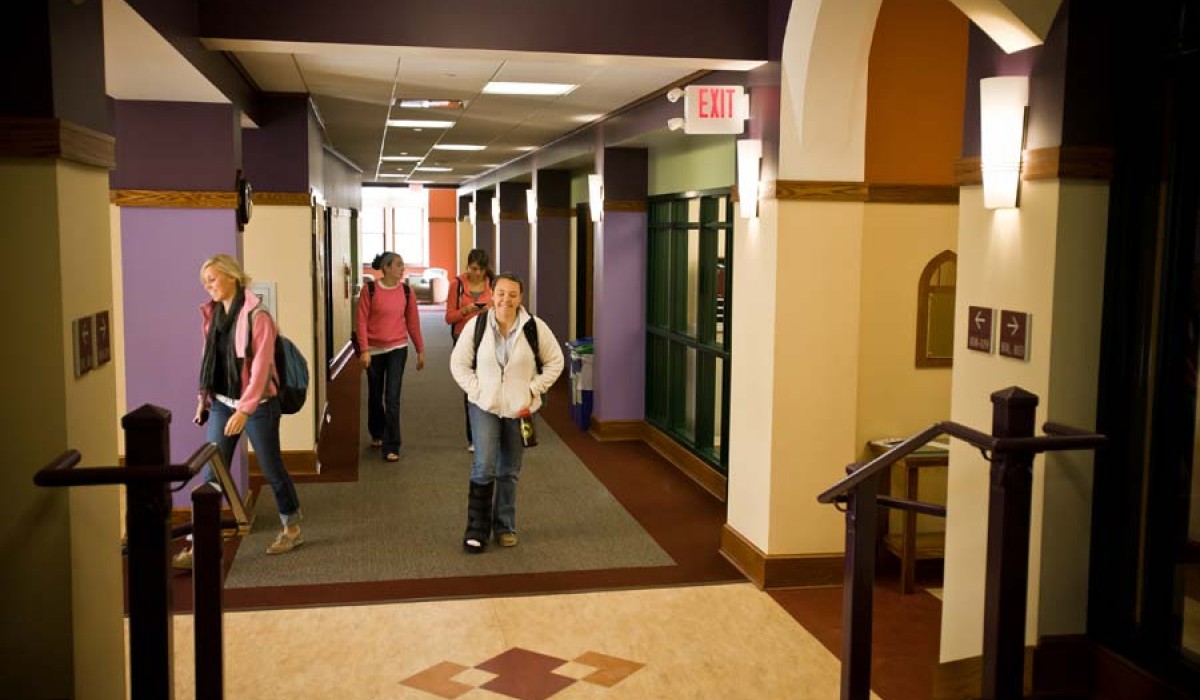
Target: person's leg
{"points": [[392, 383], [218, 415], [508, 473], [262, 429], [375, 399], [482, 484]]}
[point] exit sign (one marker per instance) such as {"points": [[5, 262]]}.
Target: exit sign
{"points": [[715, 109]]}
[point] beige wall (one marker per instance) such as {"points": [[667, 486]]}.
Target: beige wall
{"points": [[62, 631], [896, 398], [1045, 258], [696, 163], [277, 247]]}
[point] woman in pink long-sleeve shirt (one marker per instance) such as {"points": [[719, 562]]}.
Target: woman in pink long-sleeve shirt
{"points": [[387, 318]]}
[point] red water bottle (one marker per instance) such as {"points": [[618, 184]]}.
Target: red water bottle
{"points": [[528, 436]]}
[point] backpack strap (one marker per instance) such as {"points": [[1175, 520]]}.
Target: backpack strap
{"points": [[531, 336], [250, 340], [407, 292], [371, 289]]}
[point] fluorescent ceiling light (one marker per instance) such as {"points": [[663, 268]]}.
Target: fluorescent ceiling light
{"points": [[403, 159], [420, 123], [392, 175], [433, 169], [507, 88], [430, 104], [458, 147]]}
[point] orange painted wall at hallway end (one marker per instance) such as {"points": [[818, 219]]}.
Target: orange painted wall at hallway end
{"points": [[443, 229]]}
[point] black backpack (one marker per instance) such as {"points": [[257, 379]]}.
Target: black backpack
{"points": [[371, 291], [529, 329], [290, 366]]}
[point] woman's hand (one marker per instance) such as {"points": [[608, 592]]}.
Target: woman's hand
{"points": [[201, 416], [236, 423], [420, 361], [365, 360]]}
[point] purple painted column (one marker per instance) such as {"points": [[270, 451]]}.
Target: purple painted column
{"points": [[514, 232], [169, 146], [619, 315], [485, 231], [275, 155], [551, 292]]}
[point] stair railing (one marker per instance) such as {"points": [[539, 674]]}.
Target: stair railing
{"points": [[1012, 446]]}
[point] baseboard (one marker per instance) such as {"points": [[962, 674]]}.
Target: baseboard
{"points": [[962, 679], [691, 465], [769, 571], [295, 461], [616, 430]]}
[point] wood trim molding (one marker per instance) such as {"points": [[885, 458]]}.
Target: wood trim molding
{"points": [[443, 220], [962, 679], [691, 465], [514, 216], [637, 206], [1054, 163], [816, 191], [555, 213], [296, 462], [281, 199], [882, 193], [769, 571], [615, 430], [173, 199], [23, 137]]}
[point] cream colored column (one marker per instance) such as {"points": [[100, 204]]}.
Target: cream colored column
{"points": [[1045, 258]]}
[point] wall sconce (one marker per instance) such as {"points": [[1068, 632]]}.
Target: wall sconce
{"points": [[496, 209], [471, 212], [531, 205], [596, 196], [1002, 103], [749, 153]]}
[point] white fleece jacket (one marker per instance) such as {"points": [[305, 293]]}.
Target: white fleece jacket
{"points": [[505, 392]]}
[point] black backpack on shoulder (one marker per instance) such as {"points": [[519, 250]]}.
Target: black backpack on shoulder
{"points": [[529, 329]]}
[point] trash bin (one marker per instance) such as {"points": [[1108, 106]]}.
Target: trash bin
{"points": [[580, 353]]}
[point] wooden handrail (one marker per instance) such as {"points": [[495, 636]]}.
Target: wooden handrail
{"points": [[61, 471]]}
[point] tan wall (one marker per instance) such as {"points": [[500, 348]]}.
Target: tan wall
{"points": [[277, 247], [62, 631], [1045, 258], [896, 398]]}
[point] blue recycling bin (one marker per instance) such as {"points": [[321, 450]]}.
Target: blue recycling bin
{"points": [[580, 355]]}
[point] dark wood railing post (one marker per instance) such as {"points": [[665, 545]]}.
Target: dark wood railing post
{"points": [[206, 592], [857, 595], [148, 531], [1013, 412]]}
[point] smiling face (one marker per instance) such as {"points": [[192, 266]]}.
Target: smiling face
{"points": [[506, 297], [220, 286]]}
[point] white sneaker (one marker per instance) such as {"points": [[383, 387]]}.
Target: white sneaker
{"points": [[470, 448]]}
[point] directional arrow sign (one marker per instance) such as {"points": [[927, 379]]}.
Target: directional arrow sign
{"points": [[979, 330], [1014, 342]]}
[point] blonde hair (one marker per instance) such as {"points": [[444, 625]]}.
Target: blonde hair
{"points": [[226, 265]]}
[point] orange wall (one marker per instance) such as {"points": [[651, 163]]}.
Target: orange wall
{"points": [[915, 90], [443, 229]]}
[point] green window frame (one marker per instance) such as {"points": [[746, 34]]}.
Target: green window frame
{"points": [[689, 281]]}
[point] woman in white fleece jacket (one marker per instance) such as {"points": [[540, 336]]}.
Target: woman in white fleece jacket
{"points": [[500, 380]]}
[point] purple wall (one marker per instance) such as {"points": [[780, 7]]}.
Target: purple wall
{"points": [[619, 322], [275, 155], [514, 231], [175, 146], [485, 232], [161, 253], [554, 250]]}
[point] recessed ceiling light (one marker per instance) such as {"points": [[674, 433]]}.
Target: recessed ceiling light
{"points": [[588, 118], [433, 169], [420, 123], [509, 88], [402, 159], [526, 148], [458, 147], [430, 104], [392, 175]]}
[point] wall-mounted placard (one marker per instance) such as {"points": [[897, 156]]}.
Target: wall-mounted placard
{"points": [[81, 331], [103, 344], [979, 328], [1014, 334]]}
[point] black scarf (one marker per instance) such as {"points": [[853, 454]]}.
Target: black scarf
{"points": [[220, 339]]}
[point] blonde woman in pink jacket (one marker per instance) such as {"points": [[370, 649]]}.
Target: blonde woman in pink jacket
{"points": [[237, 388]]}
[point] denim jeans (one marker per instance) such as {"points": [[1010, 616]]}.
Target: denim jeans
{"points": [[498, 452], [262, 427], [384, 380]]}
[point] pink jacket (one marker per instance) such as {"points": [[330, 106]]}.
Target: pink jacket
{"points": [[256, 374], [457, 302]]}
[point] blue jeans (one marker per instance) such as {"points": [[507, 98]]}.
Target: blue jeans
{"points": [[262, 427], [498, 452], [384, 380]]}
